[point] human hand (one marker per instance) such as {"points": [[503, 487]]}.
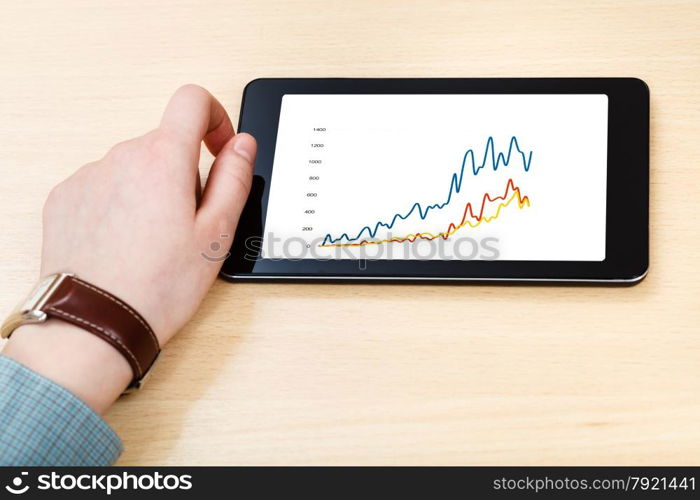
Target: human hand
{"points": [[134, 224]]}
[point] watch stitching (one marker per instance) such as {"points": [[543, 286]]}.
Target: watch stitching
{"points": [[120, 303], [99, 328]]}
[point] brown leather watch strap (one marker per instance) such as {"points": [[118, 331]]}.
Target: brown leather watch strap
{"points": [[97, 311]]}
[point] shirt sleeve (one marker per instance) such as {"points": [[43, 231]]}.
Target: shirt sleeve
{"points": [[43, 424]]}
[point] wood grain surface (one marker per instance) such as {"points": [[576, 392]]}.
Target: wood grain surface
{"points": [[359, 374]]}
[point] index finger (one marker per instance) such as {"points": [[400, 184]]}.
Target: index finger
{"points": [[196, 115]]}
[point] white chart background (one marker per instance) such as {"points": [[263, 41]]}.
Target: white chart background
{"points": [[383, 153]]}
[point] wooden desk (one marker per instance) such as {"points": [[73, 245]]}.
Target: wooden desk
{"points": [[345, 374]]}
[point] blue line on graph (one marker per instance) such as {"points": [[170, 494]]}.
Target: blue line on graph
{"points": [[455, 186]]}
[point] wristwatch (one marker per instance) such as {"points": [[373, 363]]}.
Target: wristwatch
{"points": [[66, 297]]}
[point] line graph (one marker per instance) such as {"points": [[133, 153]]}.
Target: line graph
{"points": [[511, 194], [353, 178], [468, 160]]}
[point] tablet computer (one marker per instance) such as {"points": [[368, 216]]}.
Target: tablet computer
{"points": [[493, 179]]}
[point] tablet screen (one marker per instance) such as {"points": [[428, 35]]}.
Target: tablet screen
{"points": [[439, 176]]}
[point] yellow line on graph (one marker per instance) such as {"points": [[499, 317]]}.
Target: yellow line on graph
{"points": [[429, 236]]}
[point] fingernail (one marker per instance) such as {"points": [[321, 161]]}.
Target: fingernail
{"points": [[244, 145]]}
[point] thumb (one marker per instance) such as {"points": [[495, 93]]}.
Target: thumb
{"points": [[228, 185]]}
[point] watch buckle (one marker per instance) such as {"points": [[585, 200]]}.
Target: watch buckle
{"points": [[138, 384]]}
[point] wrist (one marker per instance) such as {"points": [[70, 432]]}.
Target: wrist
{"points": [[78, 308], [79, 361]]}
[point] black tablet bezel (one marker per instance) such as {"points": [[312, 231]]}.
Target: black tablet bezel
{"points": [[627, 213]]}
